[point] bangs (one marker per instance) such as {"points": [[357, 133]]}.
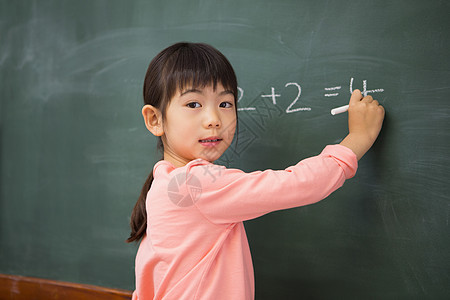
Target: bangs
{"points": [[196, 66]]}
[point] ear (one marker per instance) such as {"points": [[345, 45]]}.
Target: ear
{"points": [[153, 119]]}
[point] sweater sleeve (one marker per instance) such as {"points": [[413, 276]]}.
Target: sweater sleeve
{"points": [[231, 195]]}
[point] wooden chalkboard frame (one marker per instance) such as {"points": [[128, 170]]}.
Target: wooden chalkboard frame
{"points": [[24, 288]]}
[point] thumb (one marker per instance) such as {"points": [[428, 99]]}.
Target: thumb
{"points": [[356, 97]]}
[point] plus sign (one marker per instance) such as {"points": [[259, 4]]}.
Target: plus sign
{"points": [[273, 96]]}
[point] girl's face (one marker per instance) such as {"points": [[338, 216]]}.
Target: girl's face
{"points": [[199, 123]]}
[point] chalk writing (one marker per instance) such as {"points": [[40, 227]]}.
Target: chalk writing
{"points": [[289, 109], [273, 96], [364, 91], [265, 107], [241, 94], [333, 91]]}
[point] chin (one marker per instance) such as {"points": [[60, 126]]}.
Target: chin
{"points": [[210, 158]]}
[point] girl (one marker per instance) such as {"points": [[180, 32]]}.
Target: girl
{"points": [[190, 212]]}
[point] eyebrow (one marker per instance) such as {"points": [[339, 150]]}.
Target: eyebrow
{"points": [[197, 91]]}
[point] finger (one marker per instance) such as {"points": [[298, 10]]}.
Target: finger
{"points": [[356, 97], [368, 99], [382, 110]]}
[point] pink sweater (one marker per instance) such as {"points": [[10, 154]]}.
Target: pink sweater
{"points": [[196, 246]]}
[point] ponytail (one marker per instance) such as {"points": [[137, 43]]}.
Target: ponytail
{"points": [[138, 221]]}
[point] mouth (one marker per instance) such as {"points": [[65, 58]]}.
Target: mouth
{"points": [[210, 141]]}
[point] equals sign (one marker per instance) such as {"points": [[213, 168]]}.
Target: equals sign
{"points": [[332, 89]]}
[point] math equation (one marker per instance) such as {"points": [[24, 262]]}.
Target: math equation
{"points": [[293, 106], [254, 125]]}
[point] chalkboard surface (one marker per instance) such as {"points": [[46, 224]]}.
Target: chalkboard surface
{"points": [[74, 150]]}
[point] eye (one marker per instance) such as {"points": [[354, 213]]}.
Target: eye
{"points": [[226, 104], [193, 105]]}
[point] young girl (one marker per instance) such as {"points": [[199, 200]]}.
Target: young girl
{"points": [[190, 212]]}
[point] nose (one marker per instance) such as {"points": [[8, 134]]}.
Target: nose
{"points": [[212, 119]]}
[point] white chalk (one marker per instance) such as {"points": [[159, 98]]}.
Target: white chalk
{"points": [[339, 110]]}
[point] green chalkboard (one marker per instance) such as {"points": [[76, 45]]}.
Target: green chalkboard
{"points": [[74, 150]]}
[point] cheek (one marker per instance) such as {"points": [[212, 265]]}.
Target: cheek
{"points": [[185, 128], [230, 128]]}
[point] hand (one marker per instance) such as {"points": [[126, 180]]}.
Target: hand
{"points": [[365, 118]]}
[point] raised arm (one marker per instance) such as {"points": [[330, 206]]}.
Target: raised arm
{"points": [[365, 118]]}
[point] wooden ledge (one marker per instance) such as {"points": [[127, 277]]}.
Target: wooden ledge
{"points": [[20, 288]]}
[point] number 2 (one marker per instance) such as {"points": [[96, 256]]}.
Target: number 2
{"points": [[289, 109]]}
